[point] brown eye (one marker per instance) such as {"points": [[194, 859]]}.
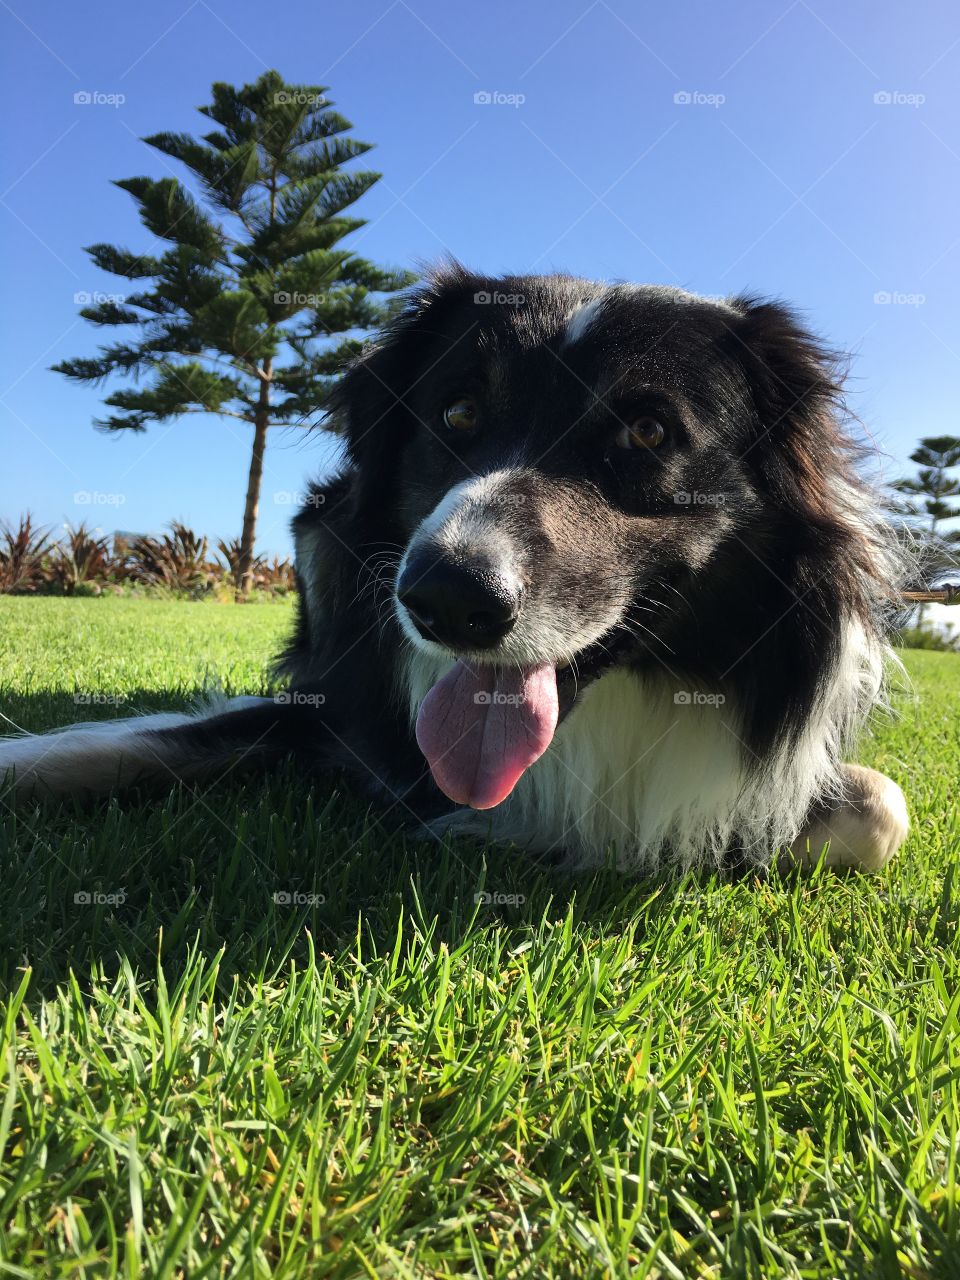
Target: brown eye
{"points": [[641, 433], [462, 414]]}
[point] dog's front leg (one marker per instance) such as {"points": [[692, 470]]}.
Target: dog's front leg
{"points": [[864, 829]]}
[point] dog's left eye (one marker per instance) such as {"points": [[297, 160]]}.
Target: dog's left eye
{"points": [[462, 414], [642, 433]]}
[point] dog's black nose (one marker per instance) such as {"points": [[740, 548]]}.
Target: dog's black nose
{"points": [[456, 605]]}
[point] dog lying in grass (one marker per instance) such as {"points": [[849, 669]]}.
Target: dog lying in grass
{"points": [[598, 573]]}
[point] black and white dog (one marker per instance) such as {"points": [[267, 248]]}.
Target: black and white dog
{"points": [[598, 575]]}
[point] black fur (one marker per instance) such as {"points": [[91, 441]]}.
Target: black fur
{"points": [[764, 400], [744, 594]]}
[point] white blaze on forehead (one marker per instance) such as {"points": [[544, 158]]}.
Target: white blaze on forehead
{"points": [[581, 320]]}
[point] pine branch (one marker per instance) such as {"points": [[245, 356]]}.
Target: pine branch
{"points": [[121, 262]]}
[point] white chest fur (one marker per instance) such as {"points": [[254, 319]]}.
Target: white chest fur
{"points": [[632, 772], [649, 773]]}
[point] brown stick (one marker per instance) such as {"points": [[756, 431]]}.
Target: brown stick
{"points": [[946, 595]]}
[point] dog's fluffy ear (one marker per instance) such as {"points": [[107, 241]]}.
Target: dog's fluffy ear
{"points": [[369, 406], [795, 382], [808, 462], [366, 407]]}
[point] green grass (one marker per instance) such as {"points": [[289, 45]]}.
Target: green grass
{"points": [[696, 1079]]}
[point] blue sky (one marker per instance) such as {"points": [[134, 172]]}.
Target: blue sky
{"points": [[808, 151]]}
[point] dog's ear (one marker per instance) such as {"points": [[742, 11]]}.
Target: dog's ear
{"points": [[369, 407], [802, 449], [795, 383]]}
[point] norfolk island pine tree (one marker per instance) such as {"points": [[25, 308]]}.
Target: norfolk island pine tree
{"points": [[936, 457], [927, 505], [255, 306]]}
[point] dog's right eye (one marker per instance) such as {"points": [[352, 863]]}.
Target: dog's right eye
{"points": [[463, 414], [645, 432]]}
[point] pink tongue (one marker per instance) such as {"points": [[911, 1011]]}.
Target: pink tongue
{"points": [[480, 728]]}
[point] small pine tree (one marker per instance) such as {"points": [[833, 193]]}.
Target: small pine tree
{"points": [[936, 456], [239, 311], [927, 503]]}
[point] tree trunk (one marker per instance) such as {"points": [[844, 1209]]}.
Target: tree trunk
{"points": [[252, 506]]}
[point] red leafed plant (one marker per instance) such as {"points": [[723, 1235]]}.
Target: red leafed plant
{"points": [[82, 556], [24, 552], [177, 560]]}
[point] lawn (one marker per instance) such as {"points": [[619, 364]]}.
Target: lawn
{"points": [[251, 1032]]}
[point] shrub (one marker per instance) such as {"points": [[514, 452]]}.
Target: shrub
{"points": [[177, 560], [23, 556], [82, 558], [279, 575], [83, 563], [229, 549], [275, 575], [927, 638]]}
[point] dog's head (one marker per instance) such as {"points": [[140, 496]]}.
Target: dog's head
{"points": [[584, 476]]}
